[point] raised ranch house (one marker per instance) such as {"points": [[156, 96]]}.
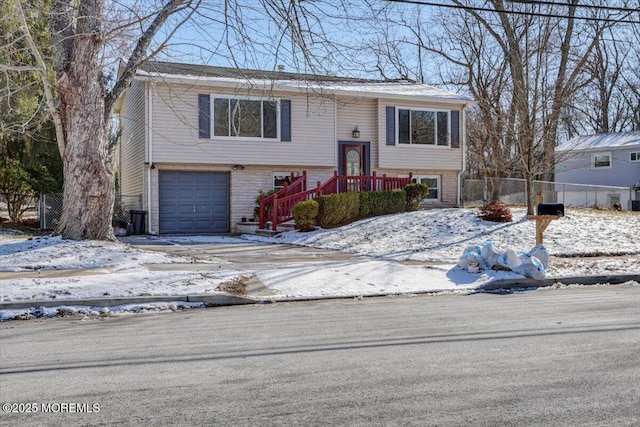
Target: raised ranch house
{"points": [[609, 159], [200, 143]]}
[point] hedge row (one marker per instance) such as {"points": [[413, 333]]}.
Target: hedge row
{"points": [[338, 209]]}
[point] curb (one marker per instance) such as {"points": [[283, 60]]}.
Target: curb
{"points": [[224, 299], [208, 300], [578, 280]]}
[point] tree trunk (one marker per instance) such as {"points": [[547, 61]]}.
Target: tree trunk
{"points": [[89, 190]]}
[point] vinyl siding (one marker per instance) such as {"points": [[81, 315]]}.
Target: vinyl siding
{"points": [[448, 183], [576, 168], [361, 113], [132, 140], [414, 157], [175, 132]]}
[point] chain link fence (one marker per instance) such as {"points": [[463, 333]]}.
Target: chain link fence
{"points": [[512, 191], [51, 209]]}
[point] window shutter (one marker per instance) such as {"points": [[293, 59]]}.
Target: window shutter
{"points": [[455, 129], [204, 116], [285, 120], [391, 125]]}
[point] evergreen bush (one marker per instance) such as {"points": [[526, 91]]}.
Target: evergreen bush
{"points": [[415, 194], [338, 209], [304, 215]]}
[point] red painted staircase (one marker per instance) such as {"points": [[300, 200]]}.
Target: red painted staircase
{"points": [[277, 208]]}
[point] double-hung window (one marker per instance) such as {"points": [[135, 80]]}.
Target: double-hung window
{"points": [[280, 178], [431, 181], [255, 119], [245, 118], [428, 127], [601, 161]]}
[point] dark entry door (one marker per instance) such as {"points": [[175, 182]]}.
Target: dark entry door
{"points": [[354, 161]]}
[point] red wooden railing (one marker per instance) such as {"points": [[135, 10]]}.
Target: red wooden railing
{"points": [[278, 207], [298, 184]]}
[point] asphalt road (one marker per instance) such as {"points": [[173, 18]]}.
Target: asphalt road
{"points": [[545, 357]]}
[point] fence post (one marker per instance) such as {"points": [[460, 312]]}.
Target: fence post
{"points": [[485, 191], [43, 214], [274, 223]]}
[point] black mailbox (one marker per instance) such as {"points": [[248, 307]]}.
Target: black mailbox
{"points": [[551, 209]]}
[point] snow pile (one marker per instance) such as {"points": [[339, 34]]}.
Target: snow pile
{"points": [[76, 310]]}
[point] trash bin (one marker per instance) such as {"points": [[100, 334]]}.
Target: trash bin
{"points": [[138, 221], [635, 205]]}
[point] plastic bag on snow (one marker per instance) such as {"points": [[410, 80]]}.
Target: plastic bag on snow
{"points": [[509, 259], [531, 266], [541, 253], [471, 260], [490, 254]]}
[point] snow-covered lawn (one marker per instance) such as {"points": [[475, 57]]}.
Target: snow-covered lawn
{"points": [[409, 252]]}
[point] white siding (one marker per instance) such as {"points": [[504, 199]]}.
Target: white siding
{"points": [[175, 132], [361, 113], [448, 183], [414, 157], [132, 140]]}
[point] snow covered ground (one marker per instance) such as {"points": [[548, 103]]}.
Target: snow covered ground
{"points": [[406, 253]]}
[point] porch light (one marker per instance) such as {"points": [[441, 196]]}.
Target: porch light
{"points": [[237, 167], [355, 133]]}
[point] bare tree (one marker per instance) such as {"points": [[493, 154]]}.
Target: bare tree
{"points": [[80, 103], [611, 102], [76, 69], [525, 63]]}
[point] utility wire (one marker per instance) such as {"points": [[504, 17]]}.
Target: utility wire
{"points": [[584, 6], [515, 12]]}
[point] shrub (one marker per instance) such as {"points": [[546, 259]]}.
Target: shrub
{"points": [[496, 212], [304, 215], [374, 203], [415, 194], [14, 183], [338, 209]]}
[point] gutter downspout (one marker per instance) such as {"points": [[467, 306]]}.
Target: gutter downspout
{"points": [[149, 155], [336, 160], [464, 153]]}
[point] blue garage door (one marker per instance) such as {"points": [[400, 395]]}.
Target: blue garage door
{"points": [[194, 202]]}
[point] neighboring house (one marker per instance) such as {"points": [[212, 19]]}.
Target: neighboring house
{"points": [[200, 143], [611, 159]]}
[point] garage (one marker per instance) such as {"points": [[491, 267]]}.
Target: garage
{"points": [[194, 202]]}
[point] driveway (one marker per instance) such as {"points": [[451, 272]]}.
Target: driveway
{"points": [[252, 257]]}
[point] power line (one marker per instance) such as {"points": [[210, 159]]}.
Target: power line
{"points": [[516, 12], [584, 6]]}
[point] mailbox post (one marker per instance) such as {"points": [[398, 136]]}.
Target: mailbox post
{"points": [[546, 214]]}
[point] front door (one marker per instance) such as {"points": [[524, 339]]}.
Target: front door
{"points": [[354, 162]]}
